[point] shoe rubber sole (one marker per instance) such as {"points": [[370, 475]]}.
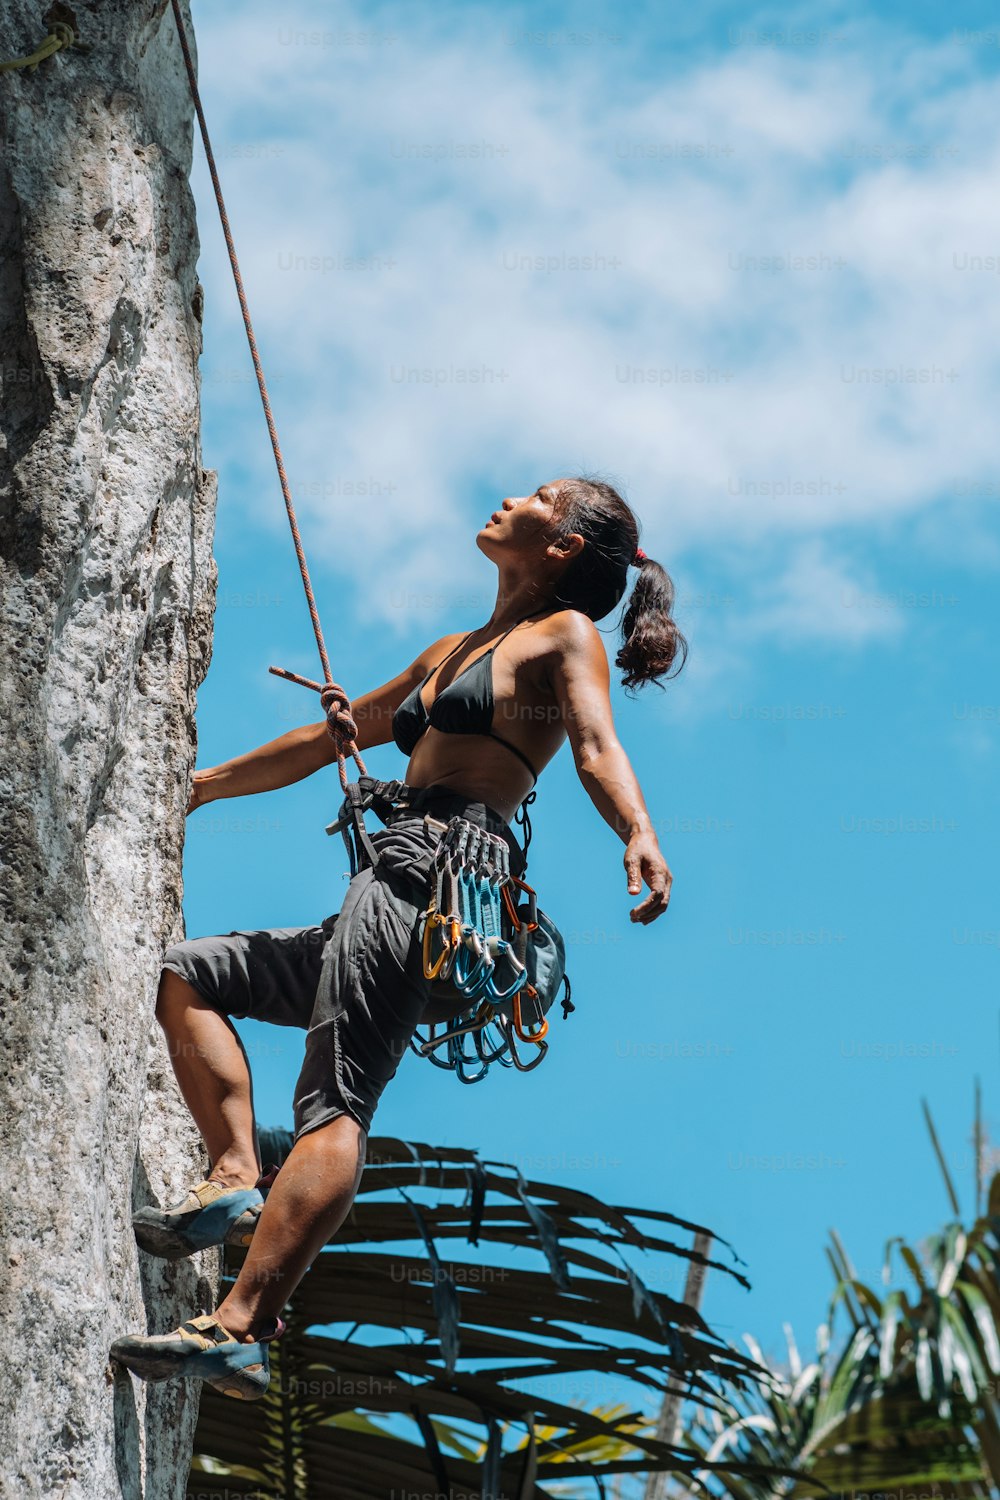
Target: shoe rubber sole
{"points": [[230, 1220], [152, 1359]]}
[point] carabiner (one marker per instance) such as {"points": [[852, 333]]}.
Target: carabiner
{"points": [[504, 953], [515, 1056], [471, 979], [496, 1053], [433, 920], [515, 917], [543, 1024]]}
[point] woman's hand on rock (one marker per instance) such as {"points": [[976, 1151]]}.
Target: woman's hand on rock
{"points": [[199, 791]]}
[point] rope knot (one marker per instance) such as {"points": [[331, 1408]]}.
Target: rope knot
{"points": [[340, 722]]}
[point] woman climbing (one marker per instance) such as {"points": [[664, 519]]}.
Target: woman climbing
{"points": [[512, 691]]}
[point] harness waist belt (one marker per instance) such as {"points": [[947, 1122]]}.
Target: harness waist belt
{"points": [[390, 798]]}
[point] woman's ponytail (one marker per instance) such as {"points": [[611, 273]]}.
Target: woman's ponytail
{"points": [[652, 645], [596, 579]]}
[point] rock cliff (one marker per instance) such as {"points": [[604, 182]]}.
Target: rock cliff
{"points": [[107, 580]]}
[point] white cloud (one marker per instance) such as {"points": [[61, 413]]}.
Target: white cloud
{"points": [[785, 406], [819, 596]]}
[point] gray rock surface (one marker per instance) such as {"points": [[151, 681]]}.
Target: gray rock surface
{"points": [[108, 585]]}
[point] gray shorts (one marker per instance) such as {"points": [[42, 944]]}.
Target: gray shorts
{"points": [[355, 983]]}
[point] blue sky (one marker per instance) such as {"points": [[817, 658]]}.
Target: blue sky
{"points": [[740, 262]]}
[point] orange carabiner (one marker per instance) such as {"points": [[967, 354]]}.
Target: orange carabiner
{"points": [[512, 909], [432, 969], [543, 1026]]}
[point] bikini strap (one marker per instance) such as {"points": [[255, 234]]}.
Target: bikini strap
{"points": [[499, 737], [492, 648], [489, 652], [441, 663], [519, 622], [522, 819], [520, 753]]}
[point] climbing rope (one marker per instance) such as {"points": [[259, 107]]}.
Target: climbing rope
{"points": [[339, 721], [60, 36]]}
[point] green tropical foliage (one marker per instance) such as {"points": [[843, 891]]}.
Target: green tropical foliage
{"points": [[901, 1397], [405, 1371]]}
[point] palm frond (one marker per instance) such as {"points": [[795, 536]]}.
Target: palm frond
{"points": [[407, 1365]]}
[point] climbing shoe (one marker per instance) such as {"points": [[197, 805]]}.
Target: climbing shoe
{"points": [[201, 1349], [211, 1214]]}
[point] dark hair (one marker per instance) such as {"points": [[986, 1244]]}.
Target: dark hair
{"points": [[596, 580]]}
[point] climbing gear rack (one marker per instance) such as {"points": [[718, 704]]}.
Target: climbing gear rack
{"points": [[477, 948]]}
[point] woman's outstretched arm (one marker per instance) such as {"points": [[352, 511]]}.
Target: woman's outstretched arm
{"points": [[581, 682], [302, 751]]}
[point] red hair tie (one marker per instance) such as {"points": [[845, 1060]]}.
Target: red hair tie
{"points": [[640, 557]]}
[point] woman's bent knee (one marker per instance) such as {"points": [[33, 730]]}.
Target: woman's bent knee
{"points": [[340, 1132], [174, 995]]}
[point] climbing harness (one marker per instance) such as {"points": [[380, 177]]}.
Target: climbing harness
{"points": [[500, 962], [60, 36]]}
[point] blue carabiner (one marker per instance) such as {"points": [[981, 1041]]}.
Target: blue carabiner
{"points": [[472, 978], [497, 996], [461, 1061]]}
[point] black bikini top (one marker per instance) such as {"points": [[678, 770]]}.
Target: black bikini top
{"points": [[465, 706]]}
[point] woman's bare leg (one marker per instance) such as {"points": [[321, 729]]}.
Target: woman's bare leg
{"points": [[214, 1079], [304, 1209]]}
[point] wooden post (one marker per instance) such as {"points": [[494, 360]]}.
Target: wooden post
{"points": [[668, 1426]]}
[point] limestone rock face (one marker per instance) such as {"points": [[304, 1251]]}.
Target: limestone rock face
{"points": [[107, 586]]}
